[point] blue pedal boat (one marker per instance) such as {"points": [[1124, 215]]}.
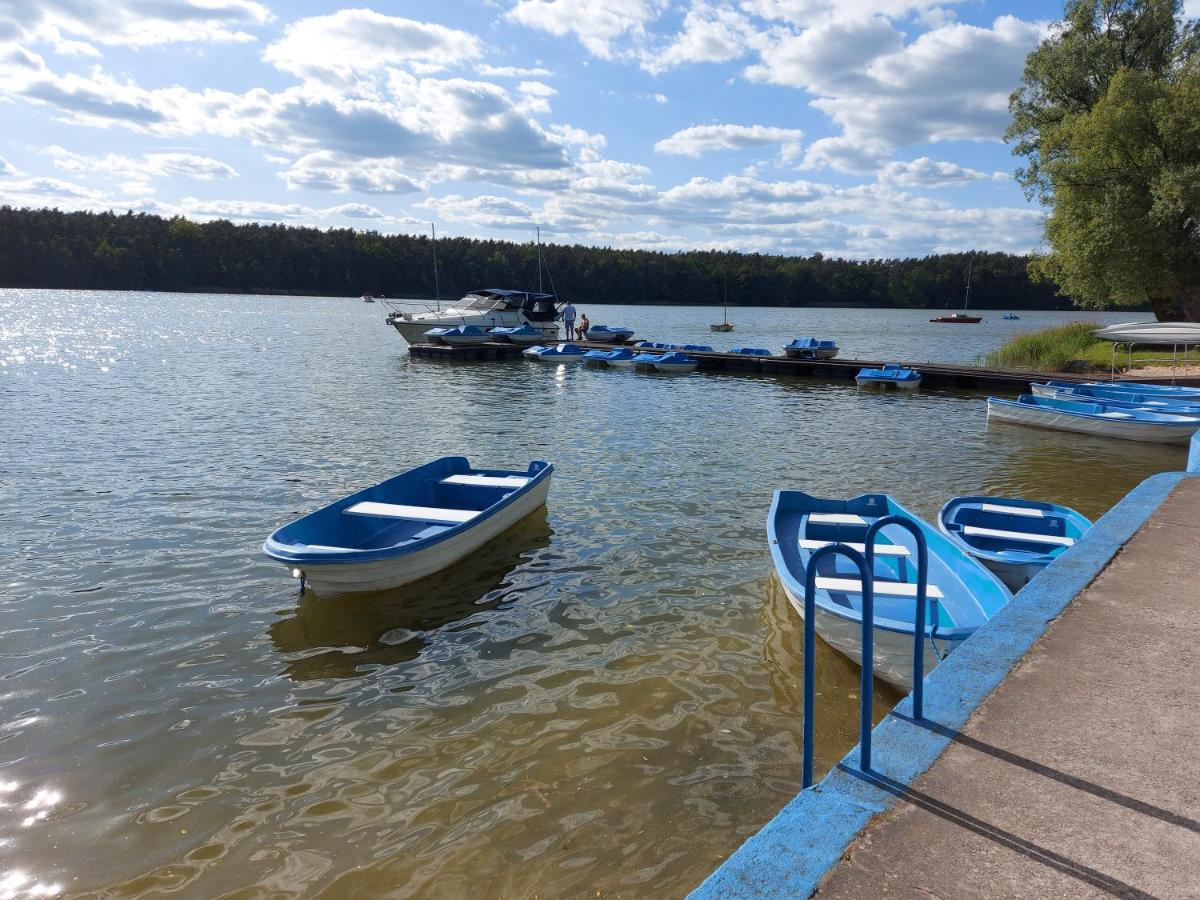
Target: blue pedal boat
{"points": [[605, 334], [890, 375], [517, 334], [407, 527], [751, 351], [676, 363], [606, 358], [811, 348], [1014, 538], [962, 594], [557, 353], [461, 335], [1094, 417]]}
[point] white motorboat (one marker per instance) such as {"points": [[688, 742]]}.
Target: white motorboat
{"points": [[486, 308]]}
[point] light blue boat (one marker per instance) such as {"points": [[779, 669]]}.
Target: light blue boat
{"points": [[461, 335], [811, 348], [608, 334], [556, 353], [646, 360], [606, 358], [519, 334], [695, 348], [1122, 400], [751, 351], [1120, 390], [1016, 539], [407, 527], [1092, 417], [1010, 316], [962, 594], [676, 363], [890, 375]]}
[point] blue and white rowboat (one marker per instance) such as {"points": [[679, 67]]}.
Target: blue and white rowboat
{"points": [[1016, 539], [1116, 390], [1124, 400], [407, 527], [1089, 417], [962, 595], [890, 375]]}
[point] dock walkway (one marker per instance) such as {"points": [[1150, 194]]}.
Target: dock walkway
{"points": [[1079, 775]]}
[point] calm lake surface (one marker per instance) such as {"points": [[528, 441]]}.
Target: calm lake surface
{"points": [[607, 702]]}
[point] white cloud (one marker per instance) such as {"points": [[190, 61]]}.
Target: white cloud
{"points": [[702, 138], [7, 168], [597, 24], [355, 211], [331, 172], [485, 211], [204, 168], [926, 172], [353, 41], [47, 188], [489, 71], [136, 23], [711, 34]]}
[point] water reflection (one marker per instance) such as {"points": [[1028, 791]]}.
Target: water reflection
{"points": [[342, 637]]}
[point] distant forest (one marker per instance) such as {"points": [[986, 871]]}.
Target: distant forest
{"points": [[43, 248]]}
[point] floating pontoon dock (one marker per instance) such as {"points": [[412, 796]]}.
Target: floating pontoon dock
{"points": [[933, 374]]}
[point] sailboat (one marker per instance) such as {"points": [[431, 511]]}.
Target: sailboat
{"points": [[724, 324], [961, 318]]}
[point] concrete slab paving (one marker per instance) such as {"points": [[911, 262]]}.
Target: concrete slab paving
{"points": [[1079, 776]]}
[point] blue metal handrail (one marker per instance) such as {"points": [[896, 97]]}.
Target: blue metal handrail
{"points": [[868, 650], [918, 691], [866, 569]]}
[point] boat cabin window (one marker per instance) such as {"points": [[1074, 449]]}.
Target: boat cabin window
{"points": [[482, 301]]}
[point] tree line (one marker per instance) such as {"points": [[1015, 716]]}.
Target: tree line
{"points": [[49, 248]]}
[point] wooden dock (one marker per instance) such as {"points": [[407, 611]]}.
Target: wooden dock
{"points": [[942, 375]]}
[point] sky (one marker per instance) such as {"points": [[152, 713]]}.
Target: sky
{"points": [[862, 130]]}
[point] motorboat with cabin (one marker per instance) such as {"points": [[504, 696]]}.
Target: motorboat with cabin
{"points": [[485, 308]]}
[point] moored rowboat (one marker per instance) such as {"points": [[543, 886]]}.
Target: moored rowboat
{"points": [[962, 595], [1014, 538], [1096, 418], [407, 527]]}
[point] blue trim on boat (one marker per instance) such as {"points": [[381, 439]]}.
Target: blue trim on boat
{"points": [[292, 543], [793, 852]]}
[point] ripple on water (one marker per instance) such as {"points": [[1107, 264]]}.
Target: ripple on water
{"points": [[607, 700]]}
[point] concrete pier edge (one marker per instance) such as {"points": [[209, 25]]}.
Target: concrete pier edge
{"points": [[790, 855]]}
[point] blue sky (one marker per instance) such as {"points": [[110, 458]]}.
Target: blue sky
{"points": [[786, 126]]}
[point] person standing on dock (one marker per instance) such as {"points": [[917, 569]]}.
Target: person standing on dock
{"points": [[568, 317]]}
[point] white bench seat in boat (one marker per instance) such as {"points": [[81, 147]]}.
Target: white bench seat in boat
{"points": [[836, 519], [507, 481], [417, 513], [880, 549], [1013, 510], [882, 588], [976, 531]]}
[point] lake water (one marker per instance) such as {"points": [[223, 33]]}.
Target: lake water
{"points": [[607, 702]]}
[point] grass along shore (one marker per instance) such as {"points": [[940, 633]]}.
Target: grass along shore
{"points": [[1071, 347]]}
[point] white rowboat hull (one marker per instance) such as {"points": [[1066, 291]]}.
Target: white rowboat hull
{"points": [[1124, 429], [334, 579], [893, 650]]}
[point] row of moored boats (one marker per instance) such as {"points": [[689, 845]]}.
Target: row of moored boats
{"points": [[982, 551], [1117, 409]]}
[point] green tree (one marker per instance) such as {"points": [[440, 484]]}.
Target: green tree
{"points": [[1102, 121]]}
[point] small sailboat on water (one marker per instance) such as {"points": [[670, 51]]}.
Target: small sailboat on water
{"points": [[724, 324], [961, 318]]}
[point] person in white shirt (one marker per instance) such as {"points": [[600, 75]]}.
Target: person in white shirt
{"points": [[568, 317]]}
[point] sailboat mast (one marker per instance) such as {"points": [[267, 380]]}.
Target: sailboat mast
{"points": [[539, 257], [437, 291], [726, 300], [967, 299]]}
